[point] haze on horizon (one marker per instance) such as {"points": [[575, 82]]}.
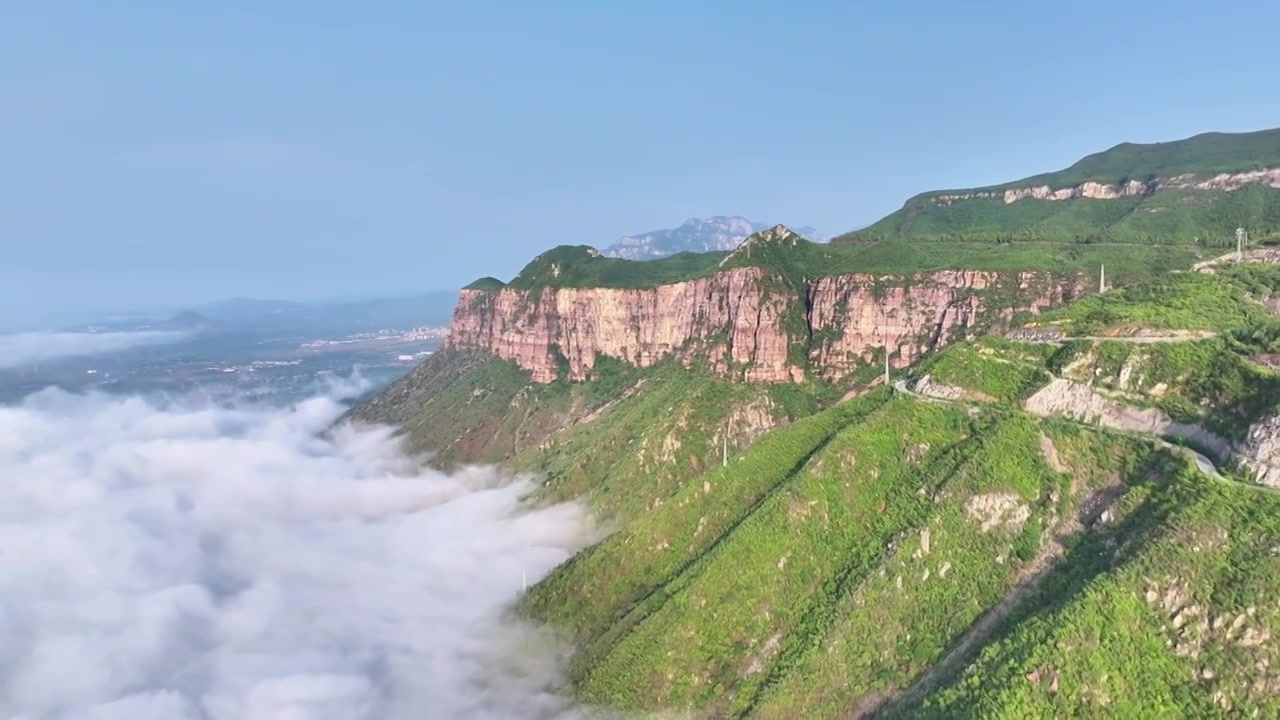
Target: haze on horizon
{"points": [[162, 154]]}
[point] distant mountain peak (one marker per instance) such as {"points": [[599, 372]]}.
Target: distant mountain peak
{"points": [[718, 233]]}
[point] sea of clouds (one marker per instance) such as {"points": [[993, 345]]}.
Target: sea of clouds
{"points": [[190, 559], [19, 349]]}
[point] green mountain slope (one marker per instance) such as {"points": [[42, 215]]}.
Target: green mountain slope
{"points": [[1168, 210], [846, 580], [1205, 154], [899, 556], [625, 440]]}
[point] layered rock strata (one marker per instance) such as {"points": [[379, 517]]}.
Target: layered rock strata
{"points": [[1133, 188], [747, 323]]}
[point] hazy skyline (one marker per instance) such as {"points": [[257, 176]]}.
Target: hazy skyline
{"points": [[169, 153]]}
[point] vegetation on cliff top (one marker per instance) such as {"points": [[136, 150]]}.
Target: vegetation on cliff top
{"points": [[1176, 216], [1188, 301], [582, 266], [1219, 376], [486, 283], [1200, 219], [569, 266], [1205, 154]]}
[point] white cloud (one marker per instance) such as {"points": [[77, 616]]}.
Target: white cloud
{"points": [[20, 349], [233, 563]]}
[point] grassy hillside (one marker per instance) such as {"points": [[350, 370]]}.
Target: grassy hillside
{"points": [[1199, 218], [1204, 154], [1189, 301], [625, 441], [1221, 376], [860, 560], [1168, 613]]}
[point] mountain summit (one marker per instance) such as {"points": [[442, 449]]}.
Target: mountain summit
{"points": [[714, 234]]}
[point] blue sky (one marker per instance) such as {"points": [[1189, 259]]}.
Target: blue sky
{"points": [[159, 153]]}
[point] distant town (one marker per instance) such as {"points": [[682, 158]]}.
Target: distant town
{"points": [[380, 339], [246, 362]]}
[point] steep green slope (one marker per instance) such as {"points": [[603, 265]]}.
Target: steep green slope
{"points": [[991, 369], [896, 557], [1169, 212], [472, 407], [1204, 154], [1197, 347], [1188, 301], [861, 558], [1200, 218], [1168, 614], [625, 441], [667, 426]]}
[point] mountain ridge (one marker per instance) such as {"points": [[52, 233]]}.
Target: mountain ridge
{"points": [[1203, 154], [1195, 191], [719, 233]]}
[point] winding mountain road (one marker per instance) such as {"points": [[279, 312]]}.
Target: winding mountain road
{"points": [[1178, 337], [1202, 461]]}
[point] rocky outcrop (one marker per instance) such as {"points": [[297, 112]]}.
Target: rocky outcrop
{"points": [[746, 323], [929, 387], [1133, 188], [1261, 256], [855, 316], [552, 330], [1046, 334], [1260, 451], [1080, 402]]}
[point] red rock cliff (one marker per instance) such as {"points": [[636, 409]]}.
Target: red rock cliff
{"points": [[744, 324]]}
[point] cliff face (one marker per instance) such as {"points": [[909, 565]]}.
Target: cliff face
{"points": [[747, 323], [1133, 188], [853, 316], [729, 313]]}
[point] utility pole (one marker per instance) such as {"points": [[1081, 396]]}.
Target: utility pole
{"points": [[1102, 279], [724, 446], [1241, 239]]}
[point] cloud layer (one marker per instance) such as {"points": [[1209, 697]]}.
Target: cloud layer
{"points": [[18, 349], [190, 561]]}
